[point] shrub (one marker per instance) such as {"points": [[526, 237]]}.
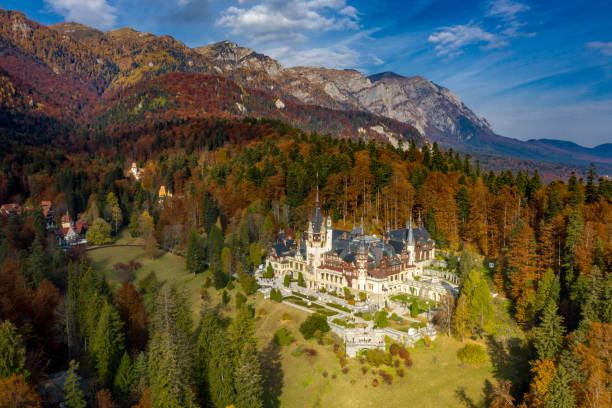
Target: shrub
{"points": [[276, 295], [408, 363], [339, 307], [381, 319], [472, 354], [283, 337], [230, 285], [403, 353], [301, 280], [286, 317], [333, 376], [364, 370], [240, 300], [297, 352], [262, 312], [396, 363], [269, 273], [225, 297], [313, 323], [399, 372], [414, 309], [351, 302], [287, 281], [310, 353], [375, 382], [387, 378], [345, 370], [207, 282], [325, 374], [394, 349], [377, 357], [362, 296]]}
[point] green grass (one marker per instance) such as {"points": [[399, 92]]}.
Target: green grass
{"points": [[436, 378]]}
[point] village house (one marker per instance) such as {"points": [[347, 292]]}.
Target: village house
{"points": [[135, 171], [71, 233], [11, 209]]}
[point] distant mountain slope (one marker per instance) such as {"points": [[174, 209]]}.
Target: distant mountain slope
{"points": [[184, 96]]}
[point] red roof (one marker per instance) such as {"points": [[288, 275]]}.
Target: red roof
{"points": [[10, 209], [80, 227]]}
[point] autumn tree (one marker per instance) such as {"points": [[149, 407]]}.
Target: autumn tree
{"points": [[131, 309], [15, 392], [99, 233]]}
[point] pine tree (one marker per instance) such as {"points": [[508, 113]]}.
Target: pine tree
{"points": [[125, 377], [287, 281], [12, 351], [194, 261], [560, 393], [248, 379], [107, 344], [170, 363], [300, 281], [73, 396], [242, 331], [220, 371], [549, 335]]}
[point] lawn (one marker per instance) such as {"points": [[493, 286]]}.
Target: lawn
{"points": [[436, 378]]}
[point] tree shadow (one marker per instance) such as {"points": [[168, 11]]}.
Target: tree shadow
{"points": [[510, 360], [464, 399], [272, 373]]}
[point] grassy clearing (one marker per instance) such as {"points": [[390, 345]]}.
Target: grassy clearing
{"points": [[437, 377]]}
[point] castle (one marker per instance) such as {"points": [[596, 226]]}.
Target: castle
{"points": [[332, 259]]}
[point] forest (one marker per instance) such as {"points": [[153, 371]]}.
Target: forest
{"points": [[235, 184]]}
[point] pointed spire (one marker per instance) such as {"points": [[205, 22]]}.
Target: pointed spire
{"points": [[410, 232], [317, 200]]}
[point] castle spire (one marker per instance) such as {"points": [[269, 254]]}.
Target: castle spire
{"points": [[410, 232]]}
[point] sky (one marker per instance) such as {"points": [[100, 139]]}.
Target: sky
{"points": [[533, 69]]}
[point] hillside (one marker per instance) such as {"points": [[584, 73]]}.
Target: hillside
{"points": [[89, 66]]}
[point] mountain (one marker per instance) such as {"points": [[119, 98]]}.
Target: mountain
{"points": [[87, 68], [191, 96]]}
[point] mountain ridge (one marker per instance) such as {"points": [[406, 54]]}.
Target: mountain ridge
{"points": [[101, 63]]}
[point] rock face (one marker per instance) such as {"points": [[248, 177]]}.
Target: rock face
{"points": [[435, 111]]}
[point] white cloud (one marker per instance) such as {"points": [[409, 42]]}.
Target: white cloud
{"points": [[604, 47], [339, 58], [506, 9], [279, 20], [95, 13], [450, 40]]}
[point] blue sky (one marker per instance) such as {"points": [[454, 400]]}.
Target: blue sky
{"points": [[533, 69]]}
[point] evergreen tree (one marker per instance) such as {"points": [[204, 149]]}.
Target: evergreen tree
{"points": [[549, 334], [39, 263], [560, 393], [242, 331], [125, 377], [210, 212], [300, 281], [287, 281], [248, 379], [170, 356], [108, 344], [220, 370], [12, 351], [215, 244], [194, 261], [73, 396]]}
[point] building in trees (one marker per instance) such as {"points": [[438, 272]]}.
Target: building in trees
{"points": [[333, 259]]}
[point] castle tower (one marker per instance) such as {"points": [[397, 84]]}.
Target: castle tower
{"points": [[361, 260], [315, 236], [410, 244]]}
